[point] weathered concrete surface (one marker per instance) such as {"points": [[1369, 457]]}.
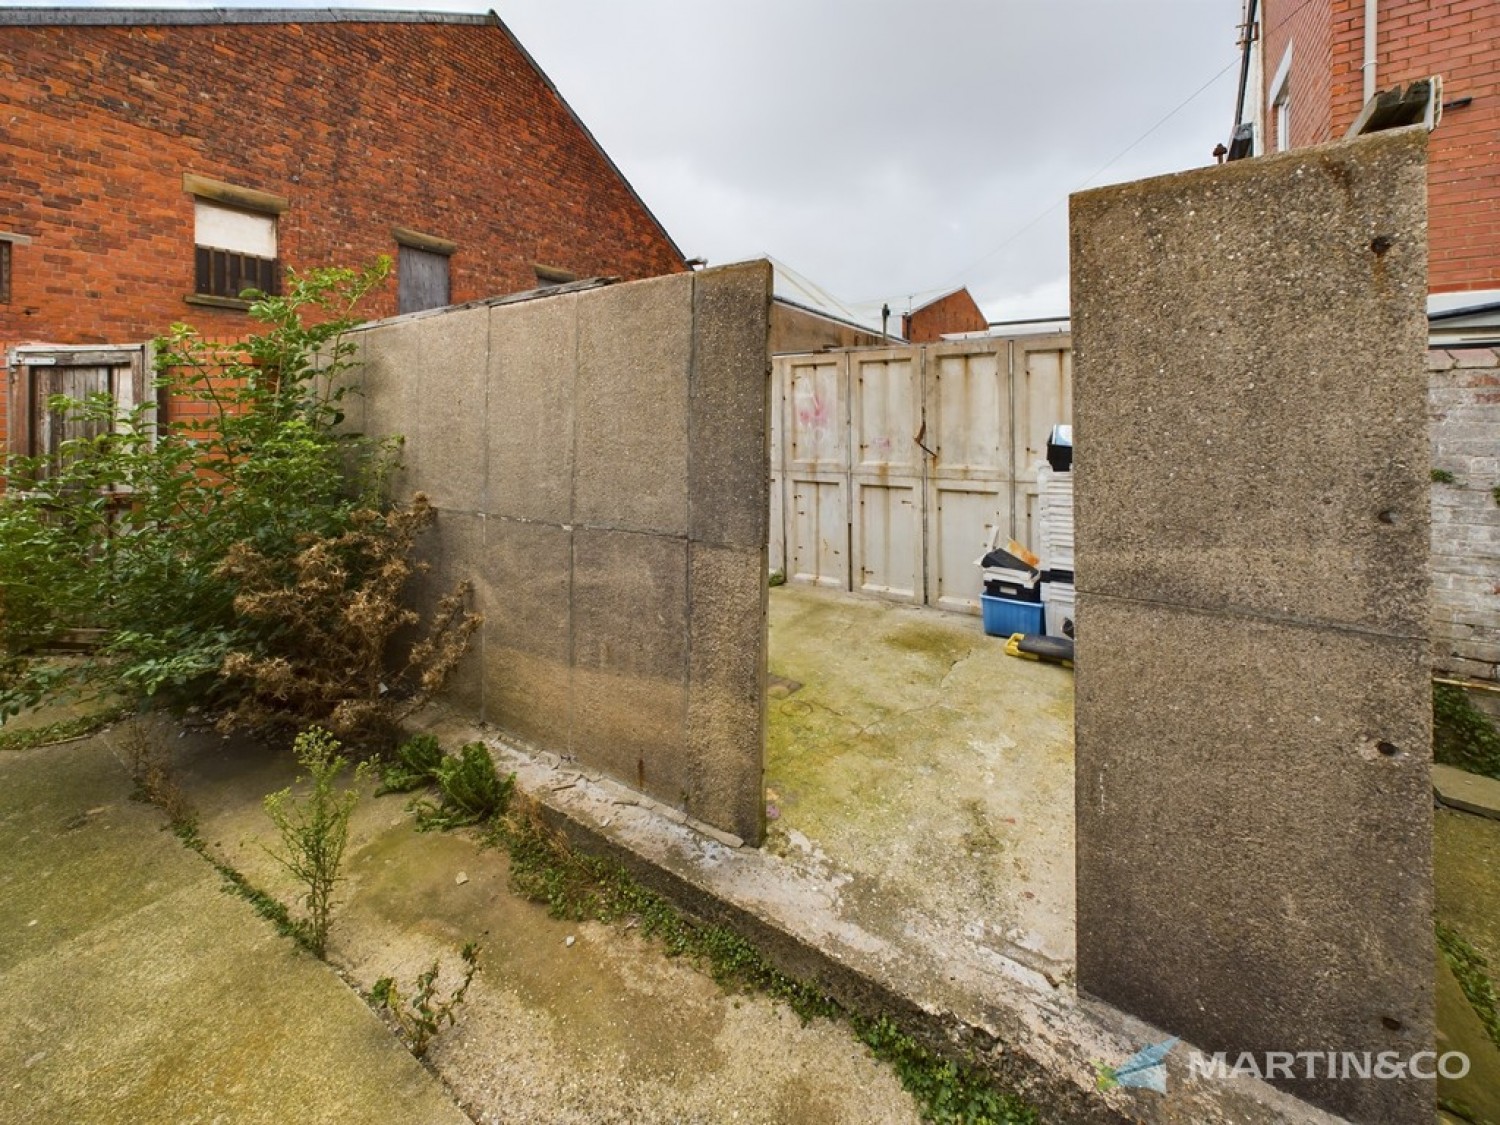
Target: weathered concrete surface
{"points": [[133, 989], [1459, 789], [1254, 807], [932, 771], [575, 1023], [599, 462], [893, 874]]}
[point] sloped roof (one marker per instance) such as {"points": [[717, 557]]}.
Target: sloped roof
{"points": [[792, 288]]}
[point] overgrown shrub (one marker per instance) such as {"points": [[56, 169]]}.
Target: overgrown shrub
{"points": [[247, 559]]}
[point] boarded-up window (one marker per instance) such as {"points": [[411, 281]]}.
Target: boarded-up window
{"points": [[422, 279], [235, 251]]}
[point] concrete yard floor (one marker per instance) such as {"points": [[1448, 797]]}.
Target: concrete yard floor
{"points": [[932, 772], [141, 992], [132, 989]]}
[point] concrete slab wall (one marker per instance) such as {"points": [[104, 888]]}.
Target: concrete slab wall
{"points": [[599, 464], [1253, 723]]}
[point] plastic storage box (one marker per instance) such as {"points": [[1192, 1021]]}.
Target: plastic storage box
{"points": [[1004, 616], [1057, 602]]}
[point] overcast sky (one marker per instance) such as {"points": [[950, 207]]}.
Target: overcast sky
{"points": [[886, 149]]}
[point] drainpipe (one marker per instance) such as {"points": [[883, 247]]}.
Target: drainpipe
{"points": [[1369, 68], [1249, 33]]}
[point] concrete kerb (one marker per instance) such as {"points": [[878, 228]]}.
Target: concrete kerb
{"points": [[1033, 1034]]}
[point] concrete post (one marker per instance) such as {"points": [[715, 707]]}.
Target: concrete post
{"points": [[1253, 722]]}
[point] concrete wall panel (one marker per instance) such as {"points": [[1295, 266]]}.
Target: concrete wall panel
{"points": [[634, 356], [726, 692], [533, 348], [1253, 734], [586, 447], [445, 450], [728, 420]]}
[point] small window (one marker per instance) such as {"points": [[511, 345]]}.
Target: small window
{"points": [[234, 240], [235, 251], [1281, 101], [7, 240], [423, 280]]}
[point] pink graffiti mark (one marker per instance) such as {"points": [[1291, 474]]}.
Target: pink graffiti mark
{"points": [[813, 414]]}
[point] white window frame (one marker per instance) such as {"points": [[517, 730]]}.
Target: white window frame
{"points": [[1280, 101]]}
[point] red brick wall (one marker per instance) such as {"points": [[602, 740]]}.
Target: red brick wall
{"points": [[1455, 39], [443, 128], [1415, 39], [1308, 26], [956, 312]]}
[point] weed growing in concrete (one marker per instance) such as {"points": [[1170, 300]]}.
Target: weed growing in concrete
{"points": [[948, 1093], [1462, 735], [314, 831], [416, 765], [470, 791], [419, 1017], [582, 887], [64, 730], [1472, 971], [149, 762], [1442, 476]]}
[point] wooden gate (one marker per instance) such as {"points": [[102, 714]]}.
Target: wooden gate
{"points": [[891, 467]]}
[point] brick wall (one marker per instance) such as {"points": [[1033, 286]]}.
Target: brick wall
{"points": [[1464, 404], [1307, 26], [445, 128], [956, 312], [1415, 39]]}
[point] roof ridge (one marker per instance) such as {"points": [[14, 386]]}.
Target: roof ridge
{"points": [[158, 17]]}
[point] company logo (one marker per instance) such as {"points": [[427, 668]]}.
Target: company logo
{"points": [[1147, 1068], [1144, 1070]]}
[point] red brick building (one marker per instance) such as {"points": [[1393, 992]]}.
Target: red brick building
{"points": [[1314, 64], [152, 164], [952, 312]]}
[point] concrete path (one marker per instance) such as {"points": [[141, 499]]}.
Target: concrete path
{"points": [[132, 989]]}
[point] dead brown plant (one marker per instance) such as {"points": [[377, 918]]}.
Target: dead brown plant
{"points": [[338, 611]]}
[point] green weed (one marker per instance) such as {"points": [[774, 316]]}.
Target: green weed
{"points": [[1462, 735], [314, 831], [419, 1017], [1472, 971]]}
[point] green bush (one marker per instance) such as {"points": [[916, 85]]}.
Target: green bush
{"points": [[247, 560]]}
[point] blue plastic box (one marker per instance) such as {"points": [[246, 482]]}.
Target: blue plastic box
{"points": [[1004, 616]]}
